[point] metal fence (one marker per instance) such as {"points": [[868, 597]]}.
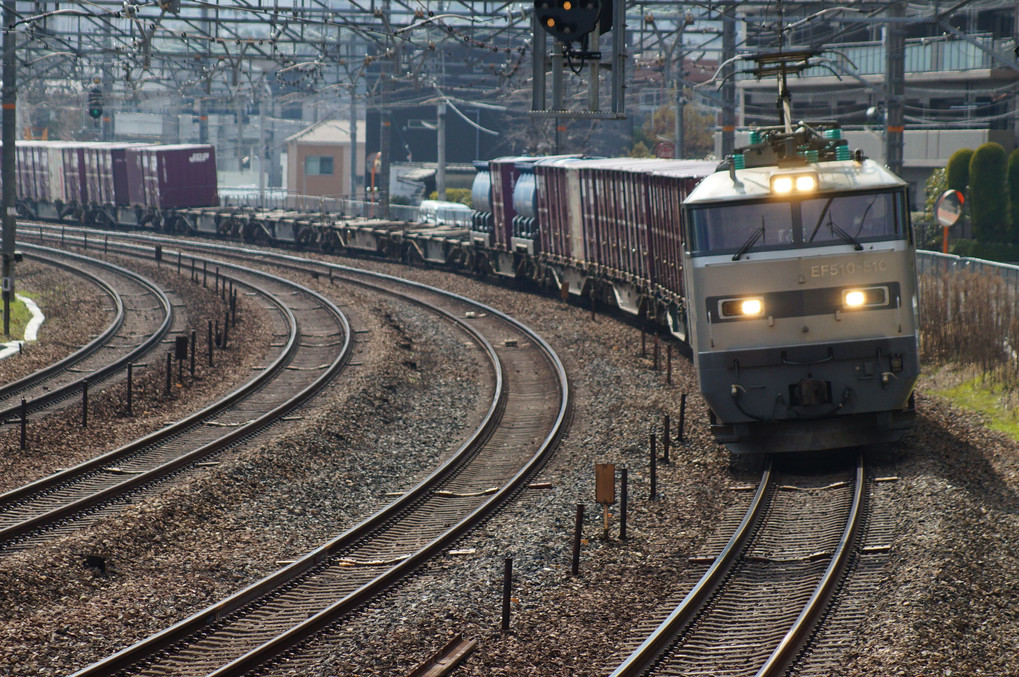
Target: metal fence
{"points": [[935, 263]]}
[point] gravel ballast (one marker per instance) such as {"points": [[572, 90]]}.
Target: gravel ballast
{"points": [[946, 605]]}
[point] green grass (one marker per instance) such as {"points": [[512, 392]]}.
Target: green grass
{"points": [[19, 319], [990, 401]]}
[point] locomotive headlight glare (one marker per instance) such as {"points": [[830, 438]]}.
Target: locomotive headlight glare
{"points": [[751, 307], [855, 298], [782, 185], [865, 297], [801, 182], [806, 183], [744, 307]]}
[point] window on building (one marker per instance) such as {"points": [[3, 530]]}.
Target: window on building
{"points": [[318, 165]]}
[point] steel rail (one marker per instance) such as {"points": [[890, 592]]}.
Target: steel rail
{"points": [[782, 657], [105, 372], [645, 656], [333, 612], [22, 529], [36, 377], [195, 623]]}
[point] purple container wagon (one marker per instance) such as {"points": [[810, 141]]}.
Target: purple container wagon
{"points": [[106, 174], [170, 177]]}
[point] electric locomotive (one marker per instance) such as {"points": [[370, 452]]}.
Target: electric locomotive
{"points": [[801, 294]]}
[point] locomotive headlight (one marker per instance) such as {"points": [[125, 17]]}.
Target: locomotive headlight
{"points": [[865, 297], [854, 298], [743, 307], [751, 307], [806, 183], [782, 185], [801, 182]]}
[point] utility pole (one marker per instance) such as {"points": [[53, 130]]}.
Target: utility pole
{"points": [[440, 172], [895, 56], [353, 140], [729, 78], [385, 121], [7, 163]]}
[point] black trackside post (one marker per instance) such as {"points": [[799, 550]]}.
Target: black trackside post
{"points": [[84, 403], [654, 469], [578, 531], [130, 389], [682, 417], [665, 440], [507, 592]]}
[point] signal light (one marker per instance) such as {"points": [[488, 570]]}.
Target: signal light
{"points": [[571, 20], [95, 103]]}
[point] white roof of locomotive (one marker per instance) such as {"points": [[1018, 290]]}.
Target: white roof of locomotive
{"points": [[836, 176]]}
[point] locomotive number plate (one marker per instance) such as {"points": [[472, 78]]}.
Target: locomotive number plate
{"points": [[845, 268]]}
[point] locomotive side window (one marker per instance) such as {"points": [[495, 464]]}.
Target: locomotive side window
{"points": [[850, 218]]}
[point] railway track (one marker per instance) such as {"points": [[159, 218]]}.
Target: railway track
{"points": [[142, 316], [758, 602], [527, 414], [313, 342]]}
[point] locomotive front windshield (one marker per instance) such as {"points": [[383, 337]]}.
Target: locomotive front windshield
{"points": [[844, 218]]}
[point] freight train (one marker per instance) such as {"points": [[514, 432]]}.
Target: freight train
{"points": [[788, 269], [108, 184]]}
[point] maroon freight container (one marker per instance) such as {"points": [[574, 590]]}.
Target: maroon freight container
{"points": [[559, 206], [30, 171], [615, 213], [40, 171], [667, 188], [72, 156], [106, 172], [172, 176], [504, 175]]}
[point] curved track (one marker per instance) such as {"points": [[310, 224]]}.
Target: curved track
{"points": [[142, 317], [314, 341], [527, 415], [754, 608]]}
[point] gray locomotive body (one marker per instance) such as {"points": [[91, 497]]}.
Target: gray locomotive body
{"points": [[801, 298]]}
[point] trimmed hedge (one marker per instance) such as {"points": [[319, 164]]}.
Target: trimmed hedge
{"points": [[958, 169], [989, 206], [1013, 192], [989, 251]]}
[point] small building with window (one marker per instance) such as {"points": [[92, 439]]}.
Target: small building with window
{"points": [[320, 160]]}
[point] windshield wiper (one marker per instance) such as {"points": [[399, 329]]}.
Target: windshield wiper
{"points": [[820, 219], [846, 236], [754, 237]]}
